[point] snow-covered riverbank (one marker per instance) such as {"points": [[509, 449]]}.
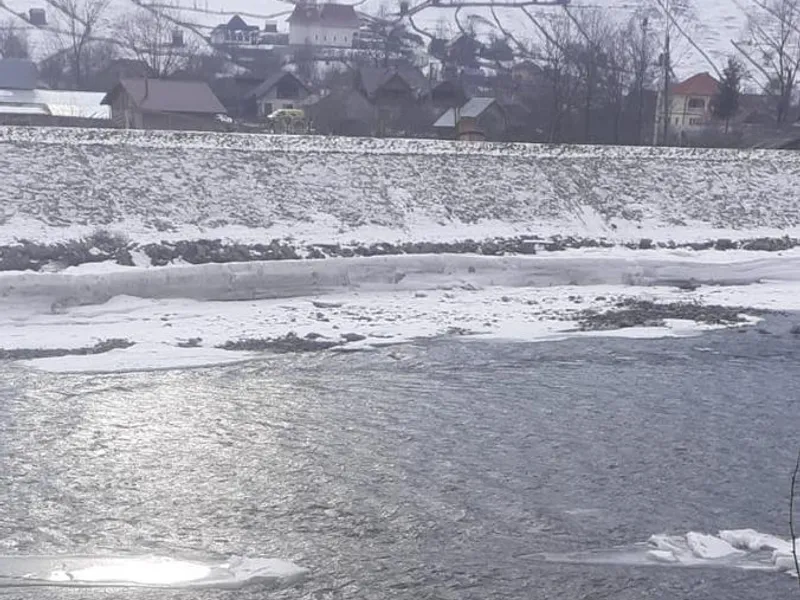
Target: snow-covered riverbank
{"points": [[353, 243], [183, 316]]}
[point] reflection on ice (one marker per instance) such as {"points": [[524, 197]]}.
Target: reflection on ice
{"points": [[145, 571], [739, 549]]}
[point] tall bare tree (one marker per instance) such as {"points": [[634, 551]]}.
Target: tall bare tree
{"points": [[13, 41], [640, 44], [772, 46], [77, 25], [149, 36]]}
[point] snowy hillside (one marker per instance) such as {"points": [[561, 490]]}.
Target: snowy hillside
{"points": [[710, 23], [167, 185]]}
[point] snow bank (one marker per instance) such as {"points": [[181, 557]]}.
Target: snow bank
{"points": [[293, 278], [146, 571], [157, 185]]}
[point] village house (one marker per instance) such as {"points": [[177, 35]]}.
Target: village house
{"points": [[235, 32], [689, 106], [330, 24], [399, 95], [164, 104], [284, 90], [480, 119]]}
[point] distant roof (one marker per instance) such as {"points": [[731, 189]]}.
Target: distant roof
{"points": [[448, 119], [17, 74], [236, 23], [62, 103], [701, 84], [165, 95], [472, 110], [475, 107], [372, 78], [272, 81], [336, 15]]}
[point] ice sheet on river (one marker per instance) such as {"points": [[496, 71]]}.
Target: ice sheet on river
{"points": [[737, 549], [146, 571]]}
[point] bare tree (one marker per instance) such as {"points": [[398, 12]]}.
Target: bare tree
{"points": [[772, 46], [640, 45], [558, 35], [13, 41], [76, 24], [151, 36]]}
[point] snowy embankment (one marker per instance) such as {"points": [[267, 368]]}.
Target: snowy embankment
{"points": [[298, 218], [154, 186]]}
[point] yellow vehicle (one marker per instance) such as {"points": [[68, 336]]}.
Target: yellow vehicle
{"points": [[288, 120]]}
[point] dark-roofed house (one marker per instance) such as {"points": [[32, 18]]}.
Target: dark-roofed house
{"points": [[236, 31], [164, 104], [282, 90], [399, 95], [343, 112], [17, 74], [326, 25], [478, 120]]}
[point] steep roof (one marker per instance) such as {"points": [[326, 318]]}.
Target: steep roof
{"points": [[334, 15], [17, 74], [473, 109], [372, 78], [701, 84], [163, 95], [272, 81]]}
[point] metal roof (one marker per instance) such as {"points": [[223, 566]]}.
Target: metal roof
{"points": [[63, 103], [164, 95], [17, 74], [448, 119], [473, 109]]}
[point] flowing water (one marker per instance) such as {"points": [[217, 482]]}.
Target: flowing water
{"points": [[438, 470]]}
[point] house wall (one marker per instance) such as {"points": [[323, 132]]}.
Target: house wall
{"points": [[321, 35], [283, 95], [688, 114]]}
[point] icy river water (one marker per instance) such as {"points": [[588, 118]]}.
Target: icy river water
{"points": [[434, 470]]}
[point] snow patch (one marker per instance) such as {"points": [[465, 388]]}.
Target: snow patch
{"points": [[146, 571], [745, 549], [140, 357]]}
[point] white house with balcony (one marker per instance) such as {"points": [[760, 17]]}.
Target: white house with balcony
{"points": [[689, 106], [333, 25]]}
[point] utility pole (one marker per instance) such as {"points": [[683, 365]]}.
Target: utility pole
{"points": [[666, 59]]}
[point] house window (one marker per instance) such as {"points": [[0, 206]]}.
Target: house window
{"points": [[697, 103], [695, 121]]}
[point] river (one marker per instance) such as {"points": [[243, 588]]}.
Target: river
{"points": [[433, 470]]}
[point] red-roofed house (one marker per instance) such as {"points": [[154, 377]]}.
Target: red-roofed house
{"points": [[690, 105], [324, 25]]}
